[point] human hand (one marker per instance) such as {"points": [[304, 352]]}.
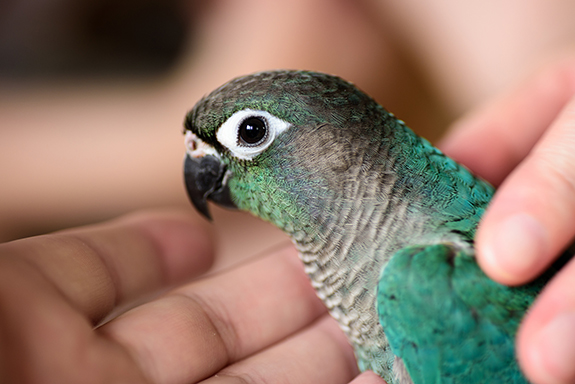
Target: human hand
{"points": [[259, 322], [526, 143]]}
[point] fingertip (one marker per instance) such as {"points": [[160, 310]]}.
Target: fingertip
{"points": [[509, 248], [549, 353], [546, 337], [184, 245], [466, 142], [368, 377]]}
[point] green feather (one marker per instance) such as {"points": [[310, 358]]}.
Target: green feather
{"points": [[359, 193], [447, 320]]}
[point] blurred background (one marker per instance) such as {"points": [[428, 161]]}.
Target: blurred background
{"points": [[93, 92]]}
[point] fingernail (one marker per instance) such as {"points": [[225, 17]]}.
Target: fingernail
{"points": [[516, 247], [553, 351]]}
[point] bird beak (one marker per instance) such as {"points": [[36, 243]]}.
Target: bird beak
{"points": [[206, 178]]}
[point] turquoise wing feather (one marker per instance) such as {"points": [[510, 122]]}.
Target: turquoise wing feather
{"points": [[447, 320]]}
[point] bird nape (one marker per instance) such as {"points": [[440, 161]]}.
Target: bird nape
{"points": [[383, 221]]}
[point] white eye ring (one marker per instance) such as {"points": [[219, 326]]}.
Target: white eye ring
{"points": [[228, 133]]}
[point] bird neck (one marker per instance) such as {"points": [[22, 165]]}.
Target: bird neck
{"points": [[386, 192]]}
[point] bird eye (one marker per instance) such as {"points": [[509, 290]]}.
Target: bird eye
{"points": [[248, 132], [252, 131]]}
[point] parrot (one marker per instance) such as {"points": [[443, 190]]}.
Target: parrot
{"points": [[383, 221]]}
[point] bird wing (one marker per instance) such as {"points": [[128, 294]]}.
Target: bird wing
{"points": [[447, 320]]}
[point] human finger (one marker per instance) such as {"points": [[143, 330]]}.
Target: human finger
{"points": [[518, 235], [317, 354], [493, 140], [368, 377], [98, 267], [44, 340], [195, 331], [531, 218], [45, 335], [546, 338]]}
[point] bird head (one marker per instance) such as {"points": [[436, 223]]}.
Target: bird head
{"points": [[280, 144]]}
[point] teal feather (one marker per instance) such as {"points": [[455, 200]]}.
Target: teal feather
{"points": [[370, 205], [446, 320]]}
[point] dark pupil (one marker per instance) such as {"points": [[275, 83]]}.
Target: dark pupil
{"points": [[252, 130]]}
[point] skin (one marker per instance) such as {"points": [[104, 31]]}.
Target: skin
{"points": [[71, 280], [42, 121], [532, 215], [222, 324]]}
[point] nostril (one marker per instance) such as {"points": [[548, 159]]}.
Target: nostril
{"points": [[196, 148], [191, 141]]}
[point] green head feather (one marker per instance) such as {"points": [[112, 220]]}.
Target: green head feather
{"points": [[301, 177], [349, 182]]}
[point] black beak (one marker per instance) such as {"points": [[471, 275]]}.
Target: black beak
{"points": [[205, 178]]}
